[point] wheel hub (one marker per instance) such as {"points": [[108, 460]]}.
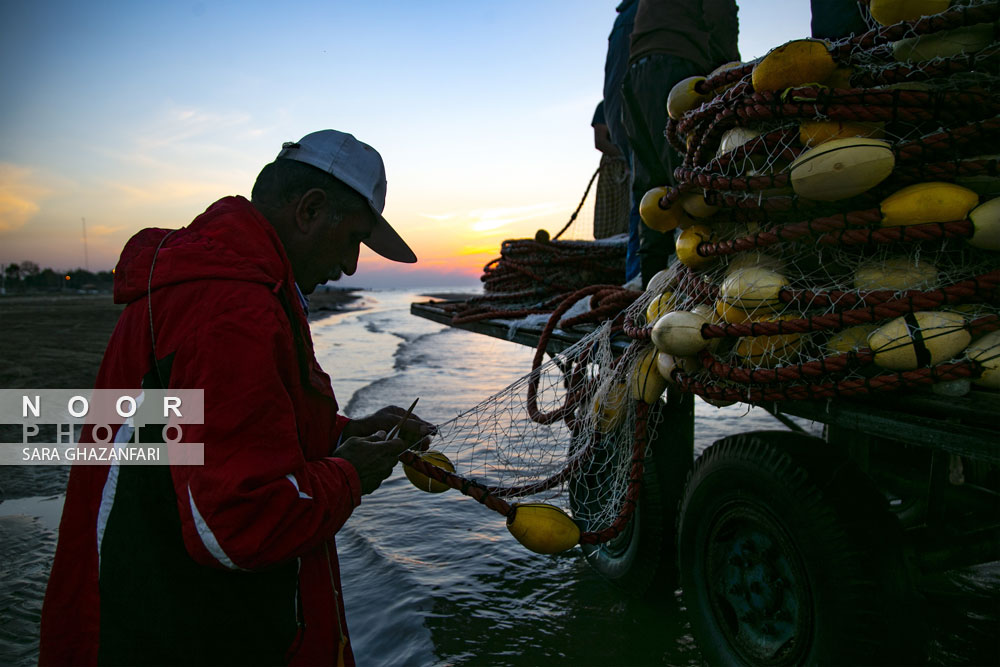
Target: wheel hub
{"points": [[757, 587]]}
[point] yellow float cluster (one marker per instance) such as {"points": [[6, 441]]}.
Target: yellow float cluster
{"points": [[821, 166]]}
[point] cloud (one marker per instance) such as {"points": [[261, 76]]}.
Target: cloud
{"points": [[194, 137], [494, 218], [104, 230], [489, 219], [19, 196], [479, 250], [182, 125], [166, 191], [439, 217]]}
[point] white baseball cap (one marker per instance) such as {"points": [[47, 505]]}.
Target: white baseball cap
{"points": [[360, 167]]}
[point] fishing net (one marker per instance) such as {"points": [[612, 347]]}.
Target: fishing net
{"points": [[797, 276], [570, 433], [794, 278]]}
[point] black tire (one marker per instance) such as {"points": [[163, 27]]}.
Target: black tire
{"points": [[789, 555], [641, 560]]}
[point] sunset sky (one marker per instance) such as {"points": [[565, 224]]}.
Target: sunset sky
{"points": [[136, 114]]}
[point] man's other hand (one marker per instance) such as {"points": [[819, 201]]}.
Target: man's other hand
{"points": [[385, 419], [372, 456]]}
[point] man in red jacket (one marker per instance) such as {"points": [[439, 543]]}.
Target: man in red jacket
{"points": [[234, 561]]}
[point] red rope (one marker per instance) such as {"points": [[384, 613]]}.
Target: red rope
{"points": [[543, 341], [839, 235], [854, 387]]}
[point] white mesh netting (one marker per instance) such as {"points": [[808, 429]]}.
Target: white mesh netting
{"points": [[569, 441]]}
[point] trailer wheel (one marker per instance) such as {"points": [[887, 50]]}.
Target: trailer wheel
{"points": [[790, 556], [641, 560]]}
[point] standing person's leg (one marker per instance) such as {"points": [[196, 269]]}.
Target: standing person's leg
{"points": [[647, 84], [632, 265]]}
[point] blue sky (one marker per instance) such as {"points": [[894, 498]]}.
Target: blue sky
{"points": [[132, 114]]}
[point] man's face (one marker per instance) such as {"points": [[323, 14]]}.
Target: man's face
{"points": [[335, 246]]}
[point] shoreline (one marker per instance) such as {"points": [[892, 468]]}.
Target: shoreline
{"points": [[57, 340], [450, 296], [330, 300]]}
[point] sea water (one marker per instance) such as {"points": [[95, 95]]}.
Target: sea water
{"points": [[437, 579]]}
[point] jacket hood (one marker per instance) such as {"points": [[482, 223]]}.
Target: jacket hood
{"points": [[231, 240]]}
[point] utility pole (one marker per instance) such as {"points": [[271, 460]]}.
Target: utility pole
{"points": [[86, 261]]}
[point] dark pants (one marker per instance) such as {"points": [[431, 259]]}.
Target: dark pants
{"points": [[836, 19], [647, 84]]}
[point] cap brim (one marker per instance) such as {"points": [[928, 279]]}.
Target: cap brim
{"points": [[385, 241]]}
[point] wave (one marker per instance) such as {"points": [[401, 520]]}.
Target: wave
{"points": [[412, 353], [360, 402]]}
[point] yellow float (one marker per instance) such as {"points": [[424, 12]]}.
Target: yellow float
{"points": [[841, 77], [734, 138], [694, 204], [947, 44], [645, 381], [753, 260], [660, 219], [660, 306], [927, 202], [668, 366], [815, 132], [891, 12], [722, 68], [752, 288], [850, 339], [422, 481], [841, 168], [679, 333], [919, 339], [731, 314], [896, 273], [684, 97], [687, 244], [986, 351], [542, 528], [986, 225], [609, 409], [797, 63], [769, 351]]}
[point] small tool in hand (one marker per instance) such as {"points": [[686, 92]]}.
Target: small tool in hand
{"points": [[395, 429]]}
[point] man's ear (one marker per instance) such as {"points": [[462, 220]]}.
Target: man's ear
{"points": [[310, 209]]}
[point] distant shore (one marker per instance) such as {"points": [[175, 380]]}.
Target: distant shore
{"points": [[326, 300], [451, 296], [57, 340]]}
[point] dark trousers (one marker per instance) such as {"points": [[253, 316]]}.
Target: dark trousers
{"points": [[647, 84]]}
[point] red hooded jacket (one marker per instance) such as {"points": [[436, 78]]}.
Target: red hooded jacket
{"points": [[232, 562]]}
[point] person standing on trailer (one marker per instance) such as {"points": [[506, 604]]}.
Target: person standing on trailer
{"points": [[671, 40]]}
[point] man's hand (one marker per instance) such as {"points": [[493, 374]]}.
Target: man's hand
{"points": [[372, 456], [414, 428]]}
